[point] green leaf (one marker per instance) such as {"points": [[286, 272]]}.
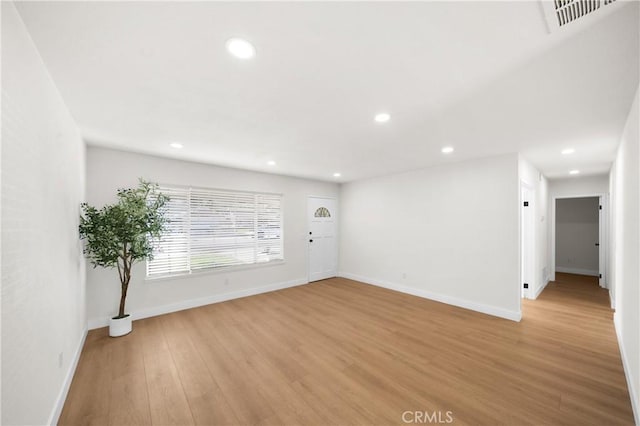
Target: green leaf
{"points": [[126, 232]]}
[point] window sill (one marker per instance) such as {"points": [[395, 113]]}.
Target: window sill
{"points": [[215, 271]]}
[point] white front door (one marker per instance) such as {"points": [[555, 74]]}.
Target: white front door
{"points": [[323, 250]]}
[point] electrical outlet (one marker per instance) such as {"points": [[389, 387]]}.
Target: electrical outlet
{"points": [[60, 359], [226, 281], [404, 275]]}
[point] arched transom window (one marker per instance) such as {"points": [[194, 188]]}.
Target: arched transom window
{"points": [[322, 212]]}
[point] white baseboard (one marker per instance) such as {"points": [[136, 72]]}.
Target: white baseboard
{"points": [[194, 303], [577, 271], [62, 395], [625, 364], [478, 307], [612, 299], [540, 289]]}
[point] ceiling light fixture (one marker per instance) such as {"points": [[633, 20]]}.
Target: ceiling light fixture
{"points": [[447, 150], [567, 151], [337, 175], [574, 172], [176, 145], [241, 48], [271, 163], [383, 117]]}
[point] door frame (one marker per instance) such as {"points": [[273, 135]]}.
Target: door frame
{"points": [[337, 227], [603, 233]]}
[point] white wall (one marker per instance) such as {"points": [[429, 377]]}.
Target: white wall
{"points": [[43, 288], [625, 251], [449, 233], [534, 179], [579, 186], [577, 232], [108, 170]]}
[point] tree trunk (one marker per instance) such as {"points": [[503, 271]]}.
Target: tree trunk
{"points": [[126, 276]]}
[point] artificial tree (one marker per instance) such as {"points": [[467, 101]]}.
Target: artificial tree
{"points": [[121, 234]]}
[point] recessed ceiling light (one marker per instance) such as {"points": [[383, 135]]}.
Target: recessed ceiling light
{"points": [[271, 163], [574, 172], [447, 150], [567, 151], [176, 145], [383, 117], [241, 48], [337, 175]]}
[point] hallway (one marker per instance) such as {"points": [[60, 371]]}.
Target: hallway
{"points": [[576, 290], [573, 320]]}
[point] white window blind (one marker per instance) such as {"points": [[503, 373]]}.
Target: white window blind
{"points": [[213, 228]]}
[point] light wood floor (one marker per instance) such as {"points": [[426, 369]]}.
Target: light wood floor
{"points": [[338, 352]]}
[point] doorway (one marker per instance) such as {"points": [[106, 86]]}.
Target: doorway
{"points": [[579, 237], [323, 248]]}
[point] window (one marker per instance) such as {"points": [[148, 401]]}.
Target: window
{"points": [[210, 228], [322, 212]]}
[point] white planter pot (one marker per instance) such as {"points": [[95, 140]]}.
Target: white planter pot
{"points": [[120, 326]]}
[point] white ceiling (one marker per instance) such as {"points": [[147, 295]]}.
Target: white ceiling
{"points": [[486, 78]]}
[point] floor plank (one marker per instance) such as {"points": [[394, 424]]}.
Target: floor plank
{"points": [[167, 400]]}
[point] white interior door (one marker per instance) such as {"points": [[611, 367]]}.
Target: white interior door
{"points": [[602, 241], [323, 252], [527, 279]]}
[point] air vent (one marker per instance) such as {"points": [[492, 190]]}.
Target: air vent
{"points": [[559, 13]]}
